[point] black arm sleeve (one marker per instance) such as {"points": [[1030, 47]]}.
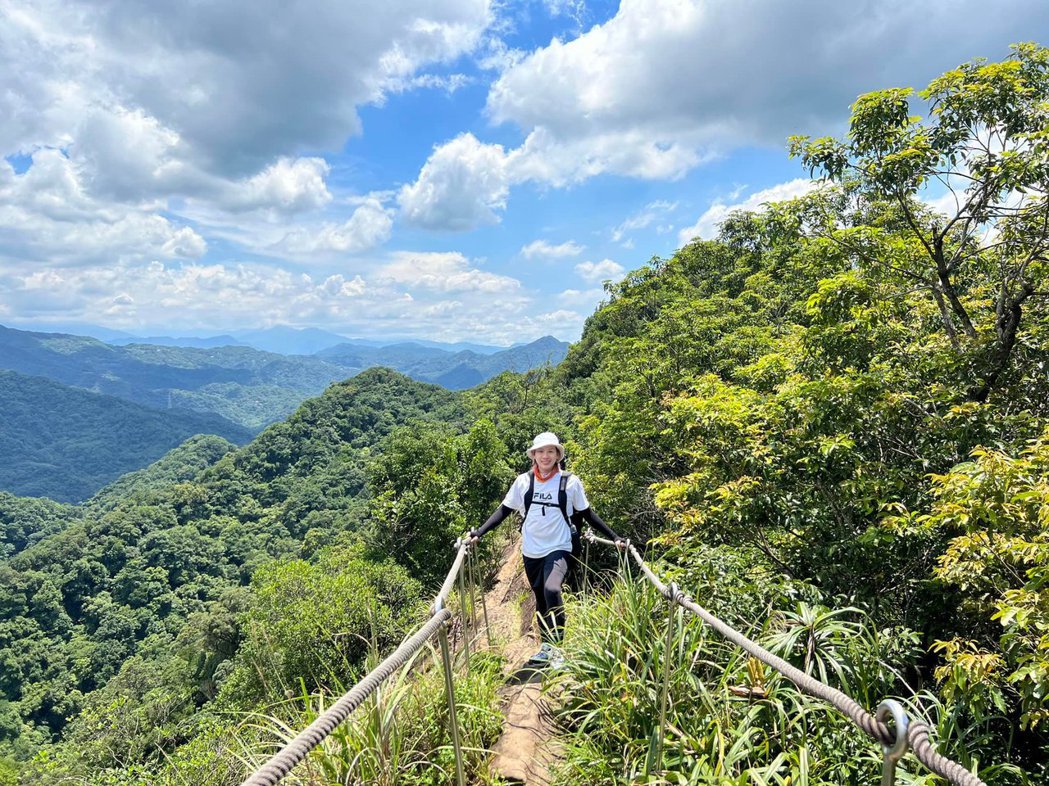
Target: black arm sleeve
{"points": [[494, 519], [593, 519]]}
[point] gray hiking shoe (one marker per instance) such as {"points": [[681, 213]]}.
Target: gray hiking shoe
{"points": [[557, 658], [549, 656], [543, 657]]}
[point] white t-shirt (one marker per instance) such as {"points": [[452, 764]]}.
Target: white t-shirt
{"points": [[545, 528]]}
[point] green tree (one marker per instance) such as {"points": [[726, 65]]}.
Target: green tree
{"points": [[314, 623], [995, 510], [984, 141]]}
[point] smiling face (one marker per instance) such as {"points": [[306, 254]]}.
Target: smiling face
{"points": [[546, 457]]}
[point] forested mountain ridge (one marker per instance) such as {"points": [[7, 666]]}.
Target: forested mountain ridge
{"points": [[66, 446], [65, 443], [24, 521], [244, 385], [249, 386], [179, 465]]}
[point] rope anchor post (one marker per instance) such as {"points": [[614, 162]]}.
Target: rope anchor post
{"points": [[892, 753], [453, 720], [672, 598], [476, 588], [464, 617]]}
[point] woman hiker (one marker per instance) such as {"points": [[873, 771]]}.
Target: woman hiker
{"points": [[547, 499]]}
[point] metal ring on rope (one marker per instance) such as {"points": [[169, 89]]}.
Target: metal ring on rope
{"points": [[892, 753]]}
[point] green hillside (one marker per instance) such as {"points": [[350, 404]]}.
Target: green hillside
{"points": [[177, 466], [24, 521], [65, 443], [136, 576]]}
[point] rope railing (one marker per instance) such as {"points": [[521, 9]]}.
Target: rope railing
{"points": [[914, 734], [917, 734], [281, 763], [453, 574]]}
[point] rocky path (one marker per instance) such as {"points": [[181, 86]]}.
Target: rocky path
{"points": [[527, 749]]}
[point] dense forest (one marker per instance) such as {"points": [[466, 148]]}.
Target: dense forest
{"points": [[65, 443], [830, 424]]}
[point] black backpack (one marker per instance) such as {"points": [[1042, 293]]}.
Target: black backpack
{"points": [[574, 521]]}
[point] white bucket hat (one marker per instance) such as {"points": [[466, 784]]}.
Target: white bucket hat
{"points": [[544, 439]]}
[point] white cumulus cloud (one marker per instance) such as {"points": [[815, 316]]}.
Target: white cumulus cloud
{"points": [[461, 186], [369, 226], [714, 73], [236, 81], [644, 218], [666, 85], [287, 186], [444, 272], [47, 215], [205, 110]]}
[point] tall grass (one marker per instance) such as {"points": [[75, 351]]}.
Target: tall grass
{"points": [[400, 736], [729, 719]]}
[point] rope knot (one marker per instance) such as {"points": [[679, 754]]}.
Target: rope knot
{"points": [[673, 594]]}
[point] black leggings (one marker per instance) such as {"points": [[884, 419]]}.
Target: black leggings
{"points": [[546, 575]]}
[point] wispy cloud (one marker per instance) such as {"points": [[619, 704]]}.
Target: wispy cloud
{"points": [[707, 225], [541, 248], [599, 271], [643, 218]]}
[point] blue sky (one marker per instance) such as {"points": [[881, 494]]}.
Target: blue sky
{"points": [[441, 169]]}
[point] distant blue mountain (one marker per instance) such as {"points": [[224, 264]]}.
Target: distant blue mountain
{"points": [[481, 349], [288, 340], [282, 339], [206, 342], [455, 370], [311, 341], [76, 329]]}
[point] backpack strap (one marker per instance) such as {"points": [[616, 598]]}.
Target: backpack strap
{"points": [[562, 497], [530, 493]]}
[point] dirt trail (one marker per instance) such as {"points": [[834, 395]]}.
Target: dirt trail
{"points": [[528, 748]]}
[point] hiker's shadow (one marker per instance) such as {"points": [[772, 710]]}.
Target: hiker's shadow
{"points": [[526, 674]]}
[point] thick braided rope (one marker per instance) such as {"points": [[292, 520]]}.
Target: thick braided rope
{"points": [[917, 732], [274, 770], [442, 597]]}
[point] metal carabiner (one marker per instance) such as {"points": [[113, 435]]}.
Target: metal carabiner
{"points": [[891, 754]]}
